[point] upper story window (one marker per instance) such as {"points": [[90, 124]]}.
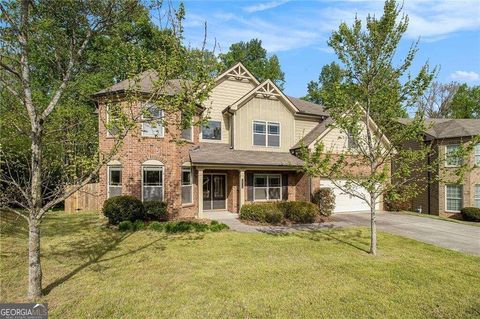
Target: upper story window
{"points": [[451, 157], [114, 180], [477, 154], [351, 142], [113, 119], [266, 133], [212, 130], [187, 133], [152, 118]]}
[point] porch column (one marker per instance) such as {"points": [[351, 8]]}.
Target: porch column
{"points": [[241, 187], [200, 192]]}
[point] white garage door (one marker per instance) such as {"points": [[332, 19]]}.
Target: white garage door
{"points": [[345, 202]]}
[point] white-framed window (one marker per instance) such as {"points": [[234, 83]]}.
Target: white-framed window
{"points": [[187, 133], [152, 118], [266, 133], [452, 159], [454, 197], [267, 187], [152, 183], [351, 142], [114, 180], [477, 195], [112, 117], [212, 130], [187, 186], [477, 154]]}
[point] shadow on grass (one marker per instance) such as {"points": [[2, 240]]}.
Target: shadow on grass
{"points": [[95, 253]]}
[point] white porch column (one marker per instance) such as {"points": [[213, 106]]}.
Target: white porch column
{"points": [[241, 180], [200, 192]]}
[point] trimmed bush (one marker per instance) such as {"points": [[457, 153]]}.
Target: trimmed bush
{"points": [[156, 226], [122, 208], [324, 198], [156, 210], [138, 225], [254, 212], [300, 212], [273, 216], [126, 225], [216, 226], [471, 214]]}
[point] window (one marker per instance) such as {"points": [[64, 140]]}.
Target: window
{"points": [[152, 183], [152, 118], [451, 158], [267, 187], [187, 187], [113, 118], [454, 197], [477, 154], [212, 131], [477, 195], [352, 144], [114, 181], [187, 133], [266, 133]]}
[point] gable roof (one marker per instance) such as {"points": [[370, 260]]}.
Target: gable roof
{"points": [[239, 72], [313, 134], [308, 108], [449, 128]]}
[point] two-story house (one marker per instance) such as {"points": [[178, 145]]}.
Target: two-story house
{"points": [[441, 193], [244, 154]]}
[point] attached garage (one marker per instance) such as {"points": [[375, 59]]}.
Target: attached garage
{"points": [[346, 202]]}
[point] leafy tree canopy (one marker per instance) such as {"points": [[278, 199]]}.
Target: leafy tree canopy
{"points": [[466, 102], [255, 59]]}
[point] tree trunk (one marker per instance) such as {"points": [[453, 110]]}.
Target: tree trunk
{"points": [[34, 266], [373, 226]]}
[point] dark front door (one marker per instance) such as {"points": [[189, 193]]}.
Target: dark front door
{"points": [[214, 189]]}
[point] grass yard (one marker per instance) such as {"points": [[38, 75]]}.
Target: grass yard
{"points": [[93, 271]]}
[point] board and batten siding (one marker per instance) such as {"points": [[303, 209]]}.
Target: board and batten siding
{"points": [[259, 109], [303, 127], [224, 94]]}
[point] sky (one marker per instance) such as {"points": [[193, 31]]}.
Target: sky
{"points": [[298, 31]]}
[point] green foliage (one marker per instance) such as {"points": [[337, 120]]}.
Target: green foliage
{"points": [[216, 226], [126, 225], [139, 225], [255, 59], [185, 227], [471, 214], [156, 210], [299, 211], [156, 226], [123, 208], [466, 102], [324, 198], [279, 212]]}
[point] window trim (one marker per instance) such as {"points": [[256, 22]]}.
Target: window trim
{"points": [[446, 198], [210, 139], [185, 168], [107, 118], [162, 168], [142, 130], [268, 187], [446, 156], [109, 168], [267, 123]]}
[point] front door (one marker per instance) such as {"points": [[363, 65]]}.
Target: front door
{"points": [[214, 191]]}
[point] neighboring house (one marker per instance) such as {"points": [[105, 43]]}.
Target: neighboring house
{"points": [[442, 194], [245, 153]]}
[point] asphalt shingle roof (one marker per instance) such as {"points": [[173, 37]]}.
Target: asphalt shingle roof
{"points": [[449, 128]]}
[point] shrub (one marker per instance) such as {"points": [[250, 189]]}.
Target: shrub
{"points": [[156, 226], [299, 211], [138, 225], [324, 198], [216, 226], [254, 212], [123, 208], [471, 214], [185, 227], [273, 216], [156, 210], [126, 225]]}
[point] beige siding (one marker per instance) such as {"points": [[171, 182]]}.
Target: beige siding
{"points": [[335, 141], [224, 94], [302, 127], [264, 110]]}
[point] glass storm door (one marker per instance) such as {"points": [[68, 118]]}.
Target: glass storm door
{"points": [[214, 191]]}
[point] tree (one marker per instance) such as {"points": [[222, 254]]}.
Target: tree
{"points": [[47, 49], [320, 92], [373, 90], [255, 59], [437, 100], [466, 102]]}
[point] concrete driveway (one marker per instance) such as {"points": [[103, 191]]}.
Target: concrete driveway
{"points": [[455, 236], [451, 235]]}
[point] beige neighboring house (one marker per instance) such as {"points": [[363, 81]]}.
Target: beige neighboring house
{"points": [[245, 154], [447, 196]]}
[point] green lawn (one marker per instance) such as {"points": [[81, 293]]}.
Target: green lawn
{"points": [[92, 271]]}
